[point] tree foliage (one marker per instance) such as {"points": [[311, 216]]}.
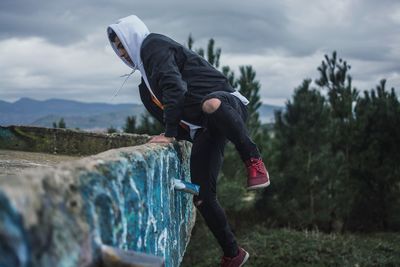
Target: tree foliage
{"points": [[61, 124], [334, 156], [130, 124], [148, 125], [111, 130], [250, 88], [375, 169]]}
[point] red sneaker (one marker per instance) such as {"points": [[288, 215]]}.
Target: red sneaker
{"points": [[237, 261], [257, 174]]}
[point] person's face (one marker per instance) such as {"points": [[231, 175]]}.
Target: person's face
{"points": [[121, 50]]}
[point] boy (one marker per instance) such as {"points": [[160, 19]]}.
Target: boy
{"points": [[195, 102]]}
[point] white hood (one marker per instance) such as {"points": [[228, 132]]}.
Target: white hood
{"points": [[131, 31]]}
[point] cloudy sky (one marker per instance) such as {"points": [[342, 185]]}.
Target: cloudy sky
{"points": [[58, 49]]}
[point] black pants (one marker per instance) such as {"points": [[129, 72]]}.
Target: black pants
{"points": [[226, 123]]}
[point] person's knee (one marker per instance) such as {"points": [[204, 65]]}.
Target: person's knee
{"points": [[197, 201], [211, 105], [205, 200]]}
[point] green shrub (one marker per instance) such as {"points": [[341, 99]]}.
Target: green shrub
{"points": [[285, 247]]}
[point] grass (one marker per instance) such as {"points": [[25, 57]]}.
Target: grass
{"points": [[286, 247]]}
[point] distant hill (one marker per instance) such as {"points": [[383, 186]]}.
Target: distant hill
{"points": [[27, 111], [86, 116]]}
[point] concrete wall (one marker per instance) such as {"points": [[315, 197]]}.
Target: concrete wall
{"points": [[64, 141], [123, 198]]}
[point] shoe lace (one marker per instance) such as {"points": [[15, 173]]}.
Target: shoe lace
{"points": [[259, 166]]}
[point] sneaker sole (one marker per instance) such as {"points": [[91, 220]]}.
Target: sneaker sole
{"points": [[253, 187], [245, 259]]}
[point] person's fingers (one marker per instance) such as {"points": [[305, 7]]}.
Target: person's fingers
{"points": [[160, 139], [153, 139]]}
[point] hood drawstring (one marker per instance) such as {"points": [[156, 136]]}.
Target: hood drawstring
{"points": [[127, 75]]}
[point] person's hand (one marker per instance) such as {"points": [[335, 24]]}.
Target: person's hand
{"points": [[161, 139]]}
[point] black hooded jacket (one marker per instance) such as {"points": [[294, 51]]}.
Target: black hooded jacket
{"points": [[180, 79]]}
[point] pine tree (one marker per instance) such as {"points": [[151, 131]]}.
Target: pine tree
{"points": [[111, 130], [250, 88], [342, 96], [149, 125], [230, 75], [297, 195], [335, 159], [61, 124], [375, 169], [130, 124], [213, 54], [335, 79], [190, 42]]}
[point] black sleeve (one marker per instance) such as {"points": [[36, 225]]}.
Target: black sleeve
{"points": [[169, 79], [145, 96], [156, 112]]}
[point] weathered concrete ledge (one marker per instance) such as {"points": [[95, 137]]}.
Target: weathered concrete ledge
{"points": [[123, 198], [64, 141]]}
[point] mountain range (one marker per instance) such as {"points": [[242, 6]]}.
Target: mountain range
{"points": [[85, 116]]}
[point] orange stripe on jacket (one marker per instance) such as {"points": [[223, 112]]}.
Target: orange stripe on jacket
{"points": [[160, 105]]}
